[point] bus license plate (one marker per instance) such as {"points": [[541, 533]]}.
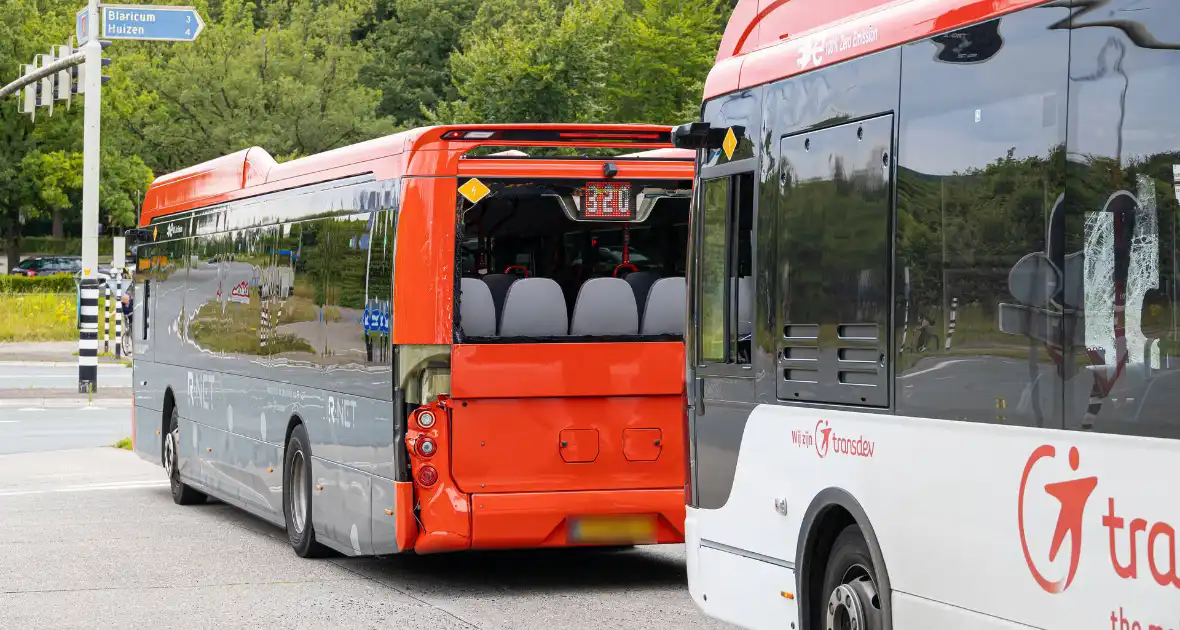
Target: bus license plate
{"points": [[612, 529]]}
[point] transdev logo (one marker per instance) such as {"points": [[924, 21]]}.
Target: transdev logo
{"points": [[824, 440], [1131, 539], [1072, 495]]}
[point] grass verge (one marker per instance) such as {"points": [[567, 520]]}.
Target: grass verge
{"points": [[43, 317], [38, 317], [124, 444]]}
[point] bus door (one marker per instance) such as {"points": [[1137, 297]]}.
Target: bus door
{"points": [[721, 343]]}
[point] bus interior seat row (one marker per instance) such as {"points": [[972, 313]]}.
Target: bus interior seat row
{"points": [[536, 307]]}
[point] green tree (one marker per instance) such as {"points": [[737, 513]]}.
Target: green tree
{"points": [[662, 59], [538, 65], [411, 55], [584, 61], [292, 87]]}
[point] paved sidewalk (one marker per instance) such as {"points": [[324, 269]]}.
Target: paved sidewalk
{"points": [[110, 397], [44, 352]]}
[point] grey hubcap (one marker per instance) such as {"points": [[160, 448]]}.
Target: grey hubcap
{"points": [[170, 453], [854, 606], [298, 492]]}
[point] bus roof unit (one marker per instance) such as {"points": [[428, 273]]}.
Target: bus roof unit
{"points": [[253, 171], [768, 40]]}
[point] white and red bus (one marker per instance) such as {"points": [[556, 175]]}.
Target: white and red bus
{"points": [[933, 354]]}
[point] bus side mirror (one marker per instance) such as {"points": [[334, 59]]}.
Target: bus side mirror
{"points": [[137, 235], [698, 135]]}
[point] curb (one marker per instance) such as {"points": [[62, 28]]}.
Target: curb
{"points": [[101, 363], [50, 403]]}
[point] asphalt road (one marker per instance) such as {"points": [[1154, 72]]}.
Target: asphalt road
{"points": [[58, 376], [37, 427], [92, 539]]}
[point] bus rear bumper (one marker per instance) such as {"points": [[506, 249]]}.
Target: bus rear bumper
{"points": [[567, 519]]}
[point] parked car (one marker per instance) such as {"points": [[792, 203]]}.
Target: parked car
{"points": [[48, 266]]}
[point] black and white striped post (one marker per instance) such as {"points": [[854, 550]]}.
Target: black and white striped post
{"points": [[950, 331], [108, 316], [264, 309], [88, 337], [118, 278]]}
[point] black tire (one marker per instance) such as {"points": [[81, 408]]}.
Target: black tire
{"points": [[128, 348], [850, 564], [297, 496], [181, 493]]}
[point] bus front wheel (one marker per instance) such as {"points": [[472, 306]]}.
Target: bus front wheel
{"points": [[297, 495], [850, 597]]}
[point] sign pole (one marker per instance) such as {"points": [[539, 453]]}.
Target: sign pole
{"points": [[91, 156]]}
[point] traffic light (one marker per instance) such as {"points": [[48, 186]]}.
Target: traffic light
{"points": [[28, 103], [106, 61], [62, 90], [78, 72], [45, 91]]}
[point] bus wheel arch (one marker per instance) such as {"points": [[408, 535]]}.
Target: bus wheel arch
{"points": [[291, 424], [831, 512]]}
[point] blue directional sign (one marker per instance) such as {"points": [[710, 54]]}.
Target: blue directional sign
{"points": [[376, 318], [155, 23]]}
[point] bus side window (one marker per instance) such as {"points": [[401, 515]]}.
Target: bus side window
{"points": [[725, 296]]}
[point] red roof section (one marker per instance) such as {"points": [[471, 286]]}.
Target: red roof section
{"points": [[768, 40], [253, 171]]}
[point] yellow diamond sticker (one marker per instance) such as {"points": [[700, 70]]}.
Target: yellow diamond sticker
{"points": [[730, 144], [155, 232], [474, 190]]}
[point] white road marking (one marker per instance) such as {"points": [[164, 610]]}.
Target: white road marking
{"points": [[933, 368], [29, 409], [94, 487]]}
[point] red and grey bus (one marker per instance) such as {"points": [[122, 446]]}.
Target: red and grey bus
{"points": [[451, 338]]}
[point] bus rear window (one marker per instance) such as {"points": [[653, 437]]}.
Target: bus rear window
{"points": [[539, 263]]}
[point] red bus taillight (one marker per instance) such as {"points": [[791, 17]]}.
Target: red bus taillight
{"points": [[427, 476], [426, 447]]}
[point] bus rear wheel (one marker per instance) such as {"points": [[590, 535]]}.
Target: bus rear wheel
{"points": [[850, 598], [181, 493], [297, 495]]}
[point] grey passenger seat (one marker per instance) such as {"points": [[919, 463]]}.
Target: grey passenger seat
{"points": [[641, 282], [605, 306], [665, 311], [499, 284], [477, 310], [534, 307]]}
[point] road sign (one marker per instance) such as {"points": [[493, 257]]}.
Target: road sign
{"points": [[82, 25], [156, 23]]}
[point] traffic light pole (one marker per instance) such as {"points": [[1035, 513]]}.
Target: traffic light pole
{"points": [[91, 158], [64, 63]]}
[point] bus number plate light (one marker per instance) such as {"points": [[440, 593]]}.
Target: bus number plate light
{"points": [[607, 201]]}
